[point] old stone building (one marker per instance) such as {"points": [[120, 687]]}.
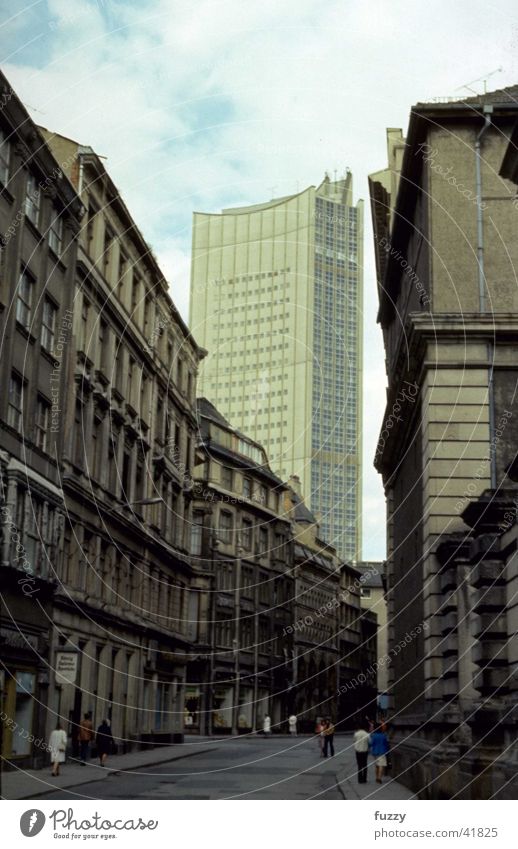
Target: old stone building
{"points": [[40, 216], [372, 593], [128, 430], [242, 669], [332, 640], [446, 253]]}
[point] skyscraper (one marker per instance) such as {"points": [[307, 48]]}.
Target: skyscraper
{"points": [[276, 298]]}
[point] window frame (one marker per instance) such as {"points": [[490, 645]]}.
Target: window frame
{"points": [[24, 300], [48, 330], [15, 378], [32, 204], [42, 429]]}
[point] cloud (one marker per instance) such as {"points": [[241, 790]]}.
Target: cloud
{"points": [[218, 103]]}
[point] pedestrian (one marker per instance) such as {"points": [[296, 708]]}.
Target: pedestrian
{"points": [[57, 747], [86, 735], [292, 722], [361, 748], [329, 736], [319, 730], [104, 741], [267, 726], [379, 750]]}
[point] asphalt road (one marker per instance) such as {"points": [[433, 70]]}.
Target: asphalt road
{"points": [[237, 768]]}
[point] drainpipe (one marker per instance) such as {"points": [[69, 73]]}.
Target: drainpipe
{"points": [[488, 111]]}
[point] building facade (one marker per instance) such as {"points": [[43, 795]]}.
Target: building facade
{"points": [[446, 251], [241, 669], [276, 299], [40, 216], [128, 428], [372, 594]]}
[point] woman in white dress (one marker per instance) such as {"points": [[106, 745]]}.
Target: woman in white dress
{"points": [[57, 748]]}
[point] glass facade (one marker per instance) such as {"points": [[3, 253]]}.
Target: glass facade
{"points": [[335, 464]]}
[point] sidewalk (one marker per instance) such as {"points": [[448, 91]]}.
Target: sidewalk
{"points": [[348, 781], [29, 784]]}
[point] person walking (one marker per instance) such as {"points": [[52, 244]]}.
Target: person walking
{"points": [[379, 750], [319, 730], [267, 726], [292, 723], [57, 748], [329, 736], [361, 748], [86, 735], [104, 741]]}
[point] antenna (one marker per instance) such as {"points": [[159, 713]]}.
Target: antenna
{"points": [[480, 79]]}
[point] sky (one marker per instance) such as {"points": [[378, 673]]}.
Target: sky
{"points": [[220, 103]]}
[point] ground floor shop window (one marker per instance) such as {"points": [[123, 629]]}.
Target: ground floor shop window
{"points": [[19, 707]]}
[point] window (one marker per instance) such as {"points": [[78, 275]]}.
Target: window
{"points": [[42, 423], [247, 488], [123, 264], [118, 368], [103, 338], [365, 592], [225, 575], [90, 226], [226, 526], [84, 323], [261, 495], [226, 477], [247, 535], [32, 199], [48, 325], [97, 439], [14, 408], [247, 581], [139, 475], [5, 155], [24, 299], [56, 232], [108, 239], [196, 532], [263, 540], [126, 470], [78, 434], [131, 366]]}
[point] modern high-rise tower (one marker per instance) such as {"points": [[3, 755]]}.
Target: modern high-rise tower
{"points": [[276, 299]]}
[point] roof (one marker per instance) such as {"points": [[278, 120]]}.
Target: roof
{"points": [[208, 412], [371, 573], [205, 408], [500, 95]]}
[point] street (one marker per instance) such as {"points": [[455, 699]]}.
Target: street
{"points": [[245, 768]]}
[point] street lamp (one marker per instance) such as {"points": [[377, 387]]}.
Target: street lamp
{"points": [[235, 641]]}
